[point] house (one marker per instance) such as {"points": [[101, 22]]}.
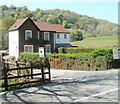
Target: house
{"points": [[26, 35]]}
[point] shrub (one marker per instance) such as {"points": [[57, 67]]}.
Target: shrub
{"points": [[82, 59], [103, 52], [62, 50], [79, 50], [29, 56], [100, 63]]}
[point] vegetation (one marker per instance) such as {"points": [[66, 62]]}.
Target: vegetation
{"points": [[89, 26], [75, 50], [98, 59], [97, 42], [76, 36]]}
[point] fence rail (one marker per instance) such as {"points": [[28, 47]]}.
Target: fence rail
{"points": [[28, 77]]}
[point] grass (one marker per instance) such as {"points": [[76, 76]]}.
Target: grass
{"points": [[97, 42]]}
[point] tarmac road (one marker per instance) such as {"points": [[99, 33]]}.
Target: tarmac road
{"points": [[70, 86]]}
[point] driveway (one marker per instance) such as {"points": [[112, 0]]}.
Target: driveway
{"points": [[70, 86]]}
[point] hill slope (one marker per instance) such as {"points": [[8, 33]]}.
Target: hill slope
{"points": [[97, 42], [68, 19]]}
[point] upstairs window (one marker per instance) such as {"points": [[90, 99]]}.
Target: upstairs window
{"points": [[28, 34], [46, 36], [38, 35], [58, 36], [65, 36]]}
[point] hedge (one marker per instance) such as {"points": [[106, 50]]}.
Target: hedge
{"points": [[29, 56], [98, 59], [75, 50]]}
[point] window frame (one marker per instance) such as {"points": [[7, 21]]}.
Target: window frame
{"points": [[58, 36], [65, 36], [28, 48], [49, 48], [26, 37], [38, 33], [48, 36]]}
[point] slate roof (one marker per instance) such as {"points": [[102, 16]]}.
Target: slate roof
{"points": [[41, 25]]}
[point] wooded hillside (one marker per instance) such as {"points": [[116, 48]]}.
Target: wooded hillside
{"points": [[89, 26]]}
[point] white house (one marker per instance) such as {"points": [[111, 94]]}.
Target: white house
{"points": [[26, 35]]}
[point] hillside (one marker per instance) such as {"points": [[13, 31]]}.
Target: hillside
{"points": [[70, 20], [97, 42]]}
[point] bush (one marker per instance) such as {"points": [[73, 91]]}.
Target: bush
{"points": [[62, 50], [100, 63], [103, 52], [81, 59], [76, 35], [79, 50], [29, 56]]}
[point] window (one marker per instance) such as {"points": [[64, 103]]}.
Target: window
{"points": [[28, 34], [47, 48], [65, 36], [38, 35], [46, 36], [28, 48], [58, 36]]}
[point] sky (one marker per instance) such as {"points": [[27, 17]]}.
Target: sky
{"points": [[100, 9]]}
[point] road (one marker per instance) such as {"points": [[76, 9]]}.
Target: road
{"points": [[70, 86]]}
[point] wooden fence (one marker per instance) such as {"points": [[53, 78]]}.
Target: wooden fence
{"points": [[41, 75]]}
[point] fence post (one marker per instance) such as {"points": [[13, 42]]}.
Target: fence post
{"points": [[49, 71], [18, 71], [31, 69], [42, 72], [25, 62], [5, 78]]}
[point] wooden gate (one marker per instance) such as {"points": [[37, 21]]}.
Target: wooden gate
{"points": [[24, 75]]}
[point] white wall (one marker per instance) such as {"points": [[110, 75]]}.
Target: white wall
{"points": [[14, 43], [61, 40]]}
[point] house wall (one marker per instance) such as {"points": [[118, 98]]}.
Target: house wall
{"points": [[14, 43], [61, 39], [28, 25], [50, 42]]}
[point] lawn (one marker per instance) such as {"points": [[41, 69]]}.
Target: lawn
{"points": [[97, 42]]}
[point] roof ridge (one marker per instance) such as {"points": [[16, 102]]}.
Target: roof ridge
{"points": [[46, 23]]}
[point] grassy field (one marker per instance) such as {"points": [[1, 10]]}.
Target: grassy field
{"points": [[97, 42]]}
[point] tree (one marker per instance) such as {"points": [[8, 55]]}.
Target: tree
{"points": [[60, 18], [53, 20], [76, 35], [12, 7], [64, 23], [37, 10], [7, 22], [4, 7]]}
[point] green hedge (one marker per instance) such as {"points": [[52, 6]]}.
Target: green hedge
{"points": [[101, 57], [29, 56], [108, 53], [75, 50], [79, 50]]}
